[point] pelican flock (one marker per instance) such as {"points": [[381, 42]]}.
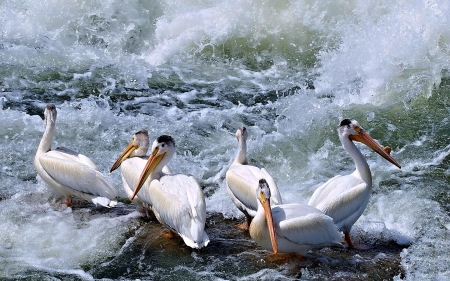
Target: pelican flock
{"points": [[290, 228], [178, 203], [344, 198], [69, 173], [242, 178], [132, 162], [177, 200]]}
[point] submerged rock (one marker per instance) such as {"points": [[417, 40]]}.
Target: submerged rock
{"points": [[232, 255]]}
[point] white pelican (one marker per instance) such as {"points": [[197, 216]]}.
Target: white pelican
{"points": [[132, 162], [291, 228], [242, 178], [176, 199], [344, 198], [69, 173]]}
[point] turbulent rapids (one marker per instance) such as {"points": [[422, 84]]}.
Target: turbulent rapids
{"points": [[289, 71]]}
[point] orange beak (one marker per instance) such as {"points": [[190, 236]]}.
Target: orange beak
{"points": [[366, 139], [273, 236], [152, 162], [130, 148]]}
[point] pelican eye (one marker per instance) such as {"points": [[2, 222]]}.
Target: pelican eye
{"points": [[357, 128]]}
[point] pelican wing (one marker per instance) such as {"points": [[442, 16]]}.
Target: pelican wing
{"points": [[322, 192], [303, 224], [346, 207], [242, 181], [179, 203], [76, 175], [69, 154], [333, 188]]}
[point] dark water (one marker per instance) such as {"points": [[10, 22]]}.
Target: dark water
{"points": [[148, 254]]}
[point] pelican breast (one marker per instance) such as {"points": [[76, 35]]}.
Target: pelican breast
{"points": [[343, 198]]}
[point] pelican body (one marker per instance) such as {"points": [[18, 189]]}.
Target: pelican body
{"points": [[69, 173], [242, 178], [344, 198], [176, 199], [132, 162], [291, 228]]}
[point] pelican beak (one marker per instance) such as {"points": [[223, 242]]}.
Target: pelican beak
{"points": [[130, 148], [366, 139], [152, 162], [273, 236]]}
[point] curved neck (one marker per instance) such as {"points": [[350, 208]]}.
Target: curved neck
{"points": [[361, 164], [139, 152], [47, 137], [241, 156]]}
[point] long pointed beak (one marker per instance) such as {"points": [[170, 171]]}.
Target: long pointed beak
{"points": [[130, 148], [273, 236], [366, 139], [152, 162]]}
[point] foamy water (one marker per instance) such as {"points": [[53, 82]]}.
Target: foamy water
{"points": [[197, 70]]}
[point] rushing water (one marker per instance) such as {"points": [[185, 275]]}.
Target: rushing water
{"points": [[197, 70]]}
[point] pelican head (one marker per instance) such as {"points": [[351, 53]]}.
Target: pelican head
{"points": [[242, 134], [138, 147], [50, 113], [163, 149], [351, 129], [263, 195]]}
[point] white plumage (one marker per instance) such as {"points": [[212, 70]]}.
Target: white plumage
{"points": [[291, 228], [344, 198], [132, 162], [242, 178], [69, 173], [177, 200]]}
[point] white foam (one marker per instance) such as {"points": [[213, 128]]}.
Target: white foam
{"points": [[377, 50], [40, 235]]}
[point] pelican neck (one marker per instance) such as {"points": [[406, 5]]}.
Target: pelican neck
{"points": [[241, 156], [46, 141], [362, 167]]}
